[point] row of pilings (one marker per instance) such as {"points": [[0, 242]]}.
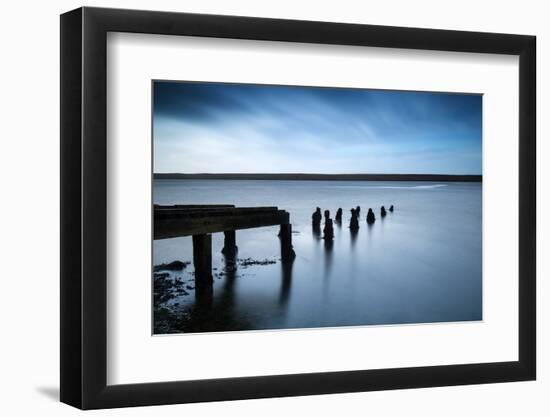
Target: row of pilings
{"points": [[328, 228]]}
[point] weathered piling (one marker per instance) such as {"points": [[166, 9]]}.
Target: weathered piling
{"points": [[328, 230], [358, 211], [316, 218], [370, 217], [354, 221], [202, 259], [338, 217], [229, 244], [391, 208], [382, 211], [285, 235]]}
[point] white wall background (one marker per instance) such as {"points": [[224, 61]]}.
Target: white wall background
{"points": [[29, 225]]}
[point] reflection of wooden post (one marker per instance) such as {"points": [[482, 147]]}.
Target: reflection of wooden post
{"points": [[286, 282], [229, 244], [204, 297], [202, 259], [287, 253]]}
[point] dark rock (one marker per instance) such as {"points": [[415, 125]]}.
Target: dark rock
{"points": [[165, 289], [172, 266], [382, 211], [391, 208]]}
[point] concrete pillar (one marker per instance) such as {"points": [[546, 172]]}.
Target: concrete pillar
{"points": [[287, 252], [202, 259], [229, 244]]}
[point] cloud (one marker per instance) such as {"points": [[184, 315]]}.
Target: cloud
{"points": [[203, 127]]}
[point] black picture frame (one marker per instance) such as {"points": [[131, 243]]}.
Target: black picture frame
{"points": [[84, 207]]}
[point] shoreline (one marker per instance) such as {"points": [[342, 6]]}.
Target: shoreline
{"points": [[321, 177]]}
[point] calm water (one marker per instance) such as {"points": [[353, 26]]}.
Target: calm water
{"points": [[422, 263]]}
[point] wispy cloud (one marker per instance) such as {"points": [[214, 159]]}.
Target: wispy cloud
{"points": [[202, 127]]}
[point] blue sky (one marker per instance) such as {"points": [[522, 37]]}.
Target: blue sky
{"points": [[240, 128]]}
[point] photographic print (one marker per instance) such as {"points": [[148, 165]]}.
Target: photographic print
{"points": [[291, 207]]}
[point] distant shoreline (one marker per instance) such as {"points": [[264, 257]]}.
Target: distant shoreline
{"points": [[322, 177]]}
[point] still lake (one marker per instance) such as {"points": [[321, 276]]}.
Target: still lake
{"points": [[420, 264]]}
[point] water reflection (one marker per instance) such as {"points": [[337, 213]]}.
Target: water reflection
{"points": [[329, 246], [204, 296], [212, 312], [421, 263], [227, 297], [353, 233], [286, 282]]}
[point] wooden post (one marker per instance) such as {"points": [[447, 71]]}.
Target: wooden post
{"points": [[285, 234], [229, 244], [202, 259]]}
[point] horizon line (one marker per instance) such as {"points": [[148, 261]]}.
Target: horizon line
{"points": [[299, 173], [319, 176]]}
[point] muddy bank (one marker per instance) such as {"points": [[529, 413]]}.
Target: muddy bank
{"points": [[175, 309]]}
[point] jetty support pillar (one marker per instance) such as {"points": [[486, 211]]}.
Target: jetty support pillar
{"points": [[202, 260], [285, 235], [229, 244]]}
